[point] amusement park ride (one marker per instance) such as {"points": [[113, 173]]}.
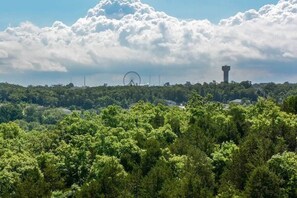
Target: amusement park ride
{"points": [[132, 78]]}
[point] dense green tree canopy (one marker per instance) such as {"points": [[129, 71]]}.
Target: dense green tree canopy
{"points": [[135, 148]]}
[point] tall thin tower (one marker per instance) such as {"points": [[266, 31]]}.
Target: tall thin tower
{"points": [[159, 80], [226, 70]]}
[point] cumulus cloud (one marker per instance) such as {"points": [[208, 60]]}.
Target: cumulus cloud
{"points": [[119, 35]]}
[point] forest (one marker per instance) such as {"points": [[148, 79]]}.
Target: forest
{"points": [[84, 98], [66, 141]]}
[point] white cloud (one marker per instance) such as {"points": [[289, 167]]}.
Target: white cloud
{"points": [[118, 35], [3, 54]]}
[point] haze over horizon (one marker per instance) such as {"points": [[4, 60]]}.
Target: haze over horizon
{"points": [[117, 36]]}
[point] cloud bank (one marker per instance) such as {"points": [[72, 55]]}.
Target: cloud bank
{"points": [[120, 35]]}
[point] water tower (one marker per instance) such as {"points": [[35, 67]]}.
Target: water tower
{"points": [[226, 70]]}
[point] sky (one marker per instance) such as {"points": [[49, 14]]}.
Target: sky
{"points": [[45, 12], [61, 41]]}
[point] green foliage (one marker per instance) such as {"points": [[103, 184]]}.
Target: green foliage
{"points": [[107, 178], [290, 104], [75, 163], [9, 130], [110, 116], [223, 128], [285, 166], [222, 156], [177, 119], [263, 183], [75, 125], [239, 116], [101, 97], [50, 167], [20, 172], [254, 152], [10, 112], [206, 149]]}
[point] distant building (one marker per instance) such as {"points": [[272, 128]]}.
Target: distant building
{"points": [[243, 101], [170, 103], [66, 111], [226, 70], [236, 101], [181, 106]]}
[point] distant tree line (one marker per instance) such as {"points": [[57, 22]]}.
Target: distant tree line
{"points": [[103, 96]]}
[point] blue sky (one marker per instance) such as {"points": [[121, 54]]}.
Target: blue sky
{"points": [[45, 12], [103, 40]]}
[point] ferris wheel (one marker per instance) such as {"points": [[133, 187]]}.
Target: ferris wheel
{"points": [[132, 78]]}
